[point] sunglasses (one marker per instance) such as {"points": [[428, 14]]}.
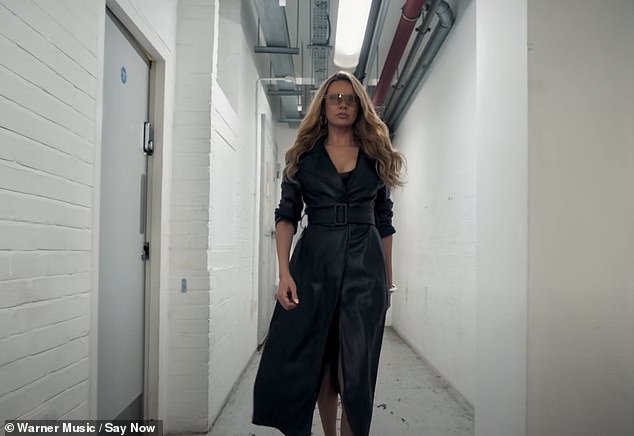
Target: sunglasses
{"points": [[335, 99]]}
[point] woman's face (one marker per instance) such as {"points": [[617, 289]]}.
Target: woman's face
{"points": [[341, 104]]}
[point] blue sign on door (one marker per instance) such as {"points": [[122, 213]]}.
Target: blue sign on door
{"points": [[124, 75]]}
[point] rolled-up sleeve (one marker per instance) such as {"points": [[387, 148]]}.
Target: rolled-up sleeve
{"points": [[383, 212], [291, 204]]}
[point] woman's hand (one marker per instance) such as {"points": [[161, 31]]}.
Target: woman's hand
{"points": [[390, 291], [287, 292]]}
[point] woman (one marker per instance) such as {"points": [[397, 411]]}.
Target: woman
{"points": [[327, 328]]}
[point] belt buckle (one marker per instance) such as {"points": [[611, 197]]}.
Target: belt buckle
{"points": [[343, 208]]}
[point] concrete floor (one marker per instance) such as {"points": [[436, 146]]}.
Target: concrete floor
{"points": [[410, 400]]}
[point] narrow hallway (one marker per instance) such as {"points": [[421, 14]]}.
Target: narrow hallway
{"points": [[410, 400], [144, 146]]}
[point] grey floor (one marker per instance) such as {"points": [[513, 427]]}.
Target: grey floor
{"points": [[410, 400]]}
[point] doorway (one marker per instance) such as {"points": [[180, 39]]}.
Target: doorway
{"points": [[267, 282], [123, 247]]}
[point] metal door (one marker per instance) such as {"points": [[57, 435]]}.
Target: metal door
{"points": [[122, 227]]}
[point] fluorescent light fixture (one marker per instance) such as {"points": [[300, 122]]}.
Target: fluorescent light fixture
{"points": [[352, 19]]}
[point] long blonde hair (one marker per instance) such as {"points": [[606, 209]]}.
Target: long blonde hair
{"points": [[369, 130]]}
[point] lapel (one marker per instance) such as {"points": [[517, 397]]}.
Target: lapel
{"points": [[331, 169], [330, 173], [318, 169]]}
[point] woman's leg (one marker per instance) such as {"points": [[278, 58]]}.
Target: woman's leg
{"points": [[345, 425], [327, 402]]}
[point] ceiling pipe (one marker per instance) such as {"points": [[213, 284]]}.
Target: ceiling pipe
{"points": [[394, 115], [370, 31], [410, 13], [406, 71], [421, 31], [385, 7]]}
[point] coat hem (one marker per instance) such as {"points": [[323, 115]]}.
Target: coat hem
{"points": [[273, 424]]}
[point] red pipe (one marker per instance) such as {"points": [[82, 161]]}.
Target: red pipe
{"points": [[409, 16]]}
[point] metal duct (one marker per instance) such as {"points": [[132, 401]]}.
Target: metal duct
{"points": [[275, 31], [394, 114], [385, 7], [370, 31], [320, 31]]}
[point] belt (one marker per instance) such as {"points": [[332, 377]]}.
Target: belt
{"points": [[341, 214]]}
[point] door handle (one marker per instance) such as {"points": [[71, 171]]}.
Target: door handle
{"points": [[145, 255], [148, 138]]}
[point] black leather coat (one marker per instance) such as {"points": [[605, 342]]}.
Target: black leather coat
{"points": [[338, 266]]}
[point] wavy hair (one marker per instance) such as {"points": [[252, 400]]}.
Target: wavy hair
{"points": [[369, 130]]}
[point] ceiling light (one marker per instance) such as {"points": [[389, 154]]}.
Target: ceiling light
{"points": [[352, 19]]}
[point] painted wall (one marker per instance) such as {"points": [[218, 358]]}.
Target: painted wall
{"points": [[501, 142], [581, 218], [50, 98], [435, 243], [553, 218]]}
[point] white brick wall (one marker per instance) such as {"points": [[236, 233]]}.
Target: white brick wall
{"points": [[188, 341], [49, 97], [233, 310], [49, 101], [213, 324], [48, 84]]}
